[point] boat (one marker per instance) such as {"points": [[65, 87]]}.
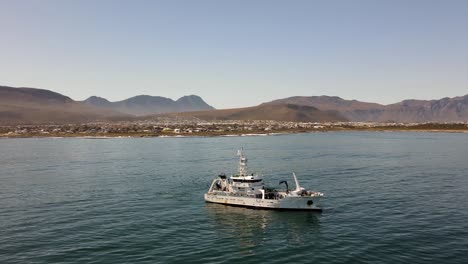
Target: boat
{"points": [[247, 189]]}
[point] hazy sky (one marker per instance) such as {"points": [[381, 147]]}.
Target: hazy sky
{"points": [[239, 52]]}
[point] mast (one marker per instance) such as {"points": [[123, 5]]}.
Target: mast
{"points": [[242, 162]]}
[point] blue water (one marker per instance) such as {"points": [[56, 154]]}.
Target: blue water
{"points": [[390, 198]]}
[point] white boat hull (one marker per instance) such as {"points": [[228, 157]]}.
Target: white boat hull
{"points": [[305, 203]]}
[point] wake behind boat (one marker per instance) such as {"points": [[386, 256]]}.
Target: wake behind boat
{"points": [[248, 190]]}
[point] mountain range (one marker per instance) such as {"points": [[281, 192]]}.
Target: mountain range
{"points": [[408, 111], [146, 104], [39, 106]]}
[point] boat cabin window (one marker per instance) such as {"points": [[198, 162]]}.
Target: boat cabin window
{"points": [[252, 180]]}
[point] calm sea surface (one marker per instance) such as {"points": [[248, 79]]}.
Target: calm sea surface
{"points": [[390, 198]]}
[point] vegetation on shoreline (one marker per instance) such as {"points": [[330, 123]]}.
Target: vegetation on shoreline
{"points": [[213, 131]]}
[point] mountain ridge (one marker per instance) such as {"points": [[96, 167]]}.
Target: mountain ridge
{"points": [[40, 106], [278, 112], [147, 104], [447, 109]]}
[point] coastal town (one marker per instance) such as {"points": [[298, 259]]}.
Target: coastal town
{"points": [[168, 128]]}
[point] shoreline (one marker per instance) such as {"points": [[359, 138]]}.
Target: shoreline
{"points": [[222, 134]]}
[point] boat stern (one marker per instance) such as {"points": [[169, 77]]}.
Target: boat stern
{"points": [[301, 203]]}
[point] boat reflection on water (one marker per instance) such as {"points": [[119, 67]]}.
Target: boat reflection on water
{"points": [[254, 227]]}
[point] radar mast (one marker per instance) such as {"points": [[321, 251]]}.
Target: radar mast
{"points": [[242, 162]]}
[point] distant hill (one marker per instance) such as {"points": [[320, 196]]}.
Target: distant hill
{"points": [[97, 101], [444, 110], [146, 104], [277, 112], [31, 95], [39, 106]]}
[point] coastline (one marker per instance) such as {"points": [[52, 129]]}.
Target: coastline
{"points": [[227, 134]]}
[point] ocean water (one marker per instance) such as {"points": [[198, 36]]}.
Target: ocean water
{"points": [[389, 198]]}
